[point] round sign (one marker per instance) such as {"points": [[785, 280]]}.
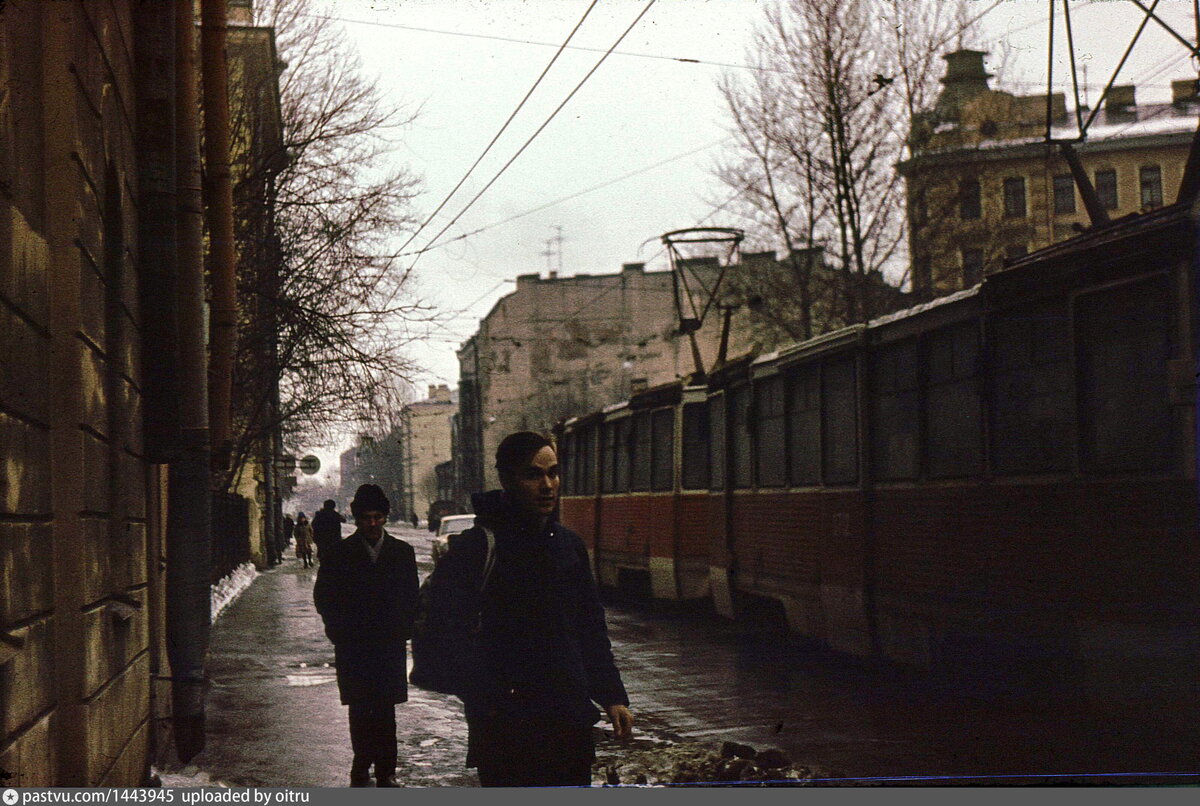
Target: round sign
{"points": [[310, 464]]}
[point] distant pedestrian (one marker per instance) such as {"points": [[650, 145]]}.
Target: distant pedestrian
{"points": [[289, 528], [415, 520], [304, 534], [544, 653], [327, 527], [366, 592]]}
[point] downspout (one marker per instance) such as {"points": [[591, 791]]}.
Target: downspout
{"points": [[218, 195], [154, 41], [189, 518]]}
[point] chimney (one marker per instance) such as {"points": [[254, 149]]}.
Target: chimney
{"points": [[553, 275], [1121, 99], [432, 391], [527, 279], [965, 79], [1185, 91], [633, 268]]}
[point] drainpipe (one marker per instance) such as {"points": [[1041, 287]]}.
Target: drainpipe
{"points": [[154, 41], [189, 518], [218, 195]]}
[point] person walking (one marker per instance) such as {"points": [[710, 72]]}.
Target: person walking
{"points": [[366, 593], [303, 534], [327, 527], [544, 647]]}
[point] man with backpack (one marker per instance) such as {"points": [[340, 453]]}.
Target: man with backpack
{"points": [[533, 657]]}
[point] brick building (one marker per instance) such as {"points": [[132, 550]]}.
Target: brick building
{"points": [[426, 440], [984, 187]]}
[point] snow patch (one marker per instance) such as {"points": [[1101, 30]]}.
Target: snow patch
{"points": [[231, 587], [189, 776]]}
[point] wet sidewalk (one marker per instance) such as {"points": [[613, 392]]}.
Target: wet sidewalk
{"points": [[274, 718]]}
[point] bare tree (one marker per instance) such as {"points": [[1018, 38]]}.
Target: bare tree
{"points": [[323, 306], [819, 123]]}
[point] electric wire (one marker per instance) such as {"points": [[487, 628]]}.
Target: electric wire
{"points": [[539, 130], [503, 128]]}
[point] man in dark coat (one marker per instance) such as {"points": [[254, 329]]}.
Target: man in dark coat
{"points": [[545, 652], [327, 527], [366, 592]]}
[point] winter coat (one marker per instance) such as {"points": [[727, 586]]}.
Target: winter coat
{"points": [[327, 529], [368, 611], [544, 644], [303, 534]]}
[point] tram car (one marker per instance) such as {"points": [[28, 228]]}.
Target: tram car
{"points": [[1006, 472]]}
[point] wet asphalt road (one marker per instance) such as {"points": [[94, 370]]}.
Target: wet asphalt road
{"points": [[274, 718]]}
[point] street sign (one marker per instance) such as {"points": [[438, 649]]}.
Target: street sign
{"points": [[310, 464]]}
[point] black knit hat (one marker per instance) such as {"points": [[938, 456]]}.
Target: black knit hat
{"points": [[369, 498]]}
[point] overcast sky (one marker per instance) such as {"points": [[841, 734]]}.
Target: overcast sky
{"points": [[635, 147]]}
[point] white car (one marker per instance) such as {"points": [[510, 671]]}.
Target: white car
{"points": [[450, 525]]}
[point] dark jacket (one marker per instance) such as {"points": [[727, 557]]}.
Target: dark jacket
{"points": [[368, 611], [545, 647], [327, 529]]}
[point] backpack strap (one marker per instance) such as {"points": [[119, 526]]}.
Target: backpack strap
{"points": [[490, 560]]}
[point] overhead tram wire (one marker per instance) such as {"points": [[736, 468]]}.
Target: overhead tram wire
{"points": [[534, 136], [503, 129], [514, 40], [568, 197]]}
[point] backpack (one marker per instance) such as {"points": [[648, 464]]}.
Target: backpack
{"points": [[446, 652]]}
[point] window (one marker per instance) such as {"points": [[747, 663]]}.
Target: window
{"points": [[662, 467], [1014, 197], [639, 461], [1150, 180], [695, 446], [616, 455], [972, 267], [1106, 189], [716, 441], [953, 415], [739, 437], [1064, 194], [839, 422], [568, 464], [769, 445], [895, 412], [1032, 417], [585, 461], [804, 426], [1123, 345], [969, 204]]}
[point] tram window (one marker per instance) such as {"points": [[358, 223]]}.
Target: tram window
{"points": [[621, 456], [839, 422], [585, 462], [662, 476], [567, 465], [695, 446], [716, 442], [769, 433], [895, 411], [804, 426], [1123, 345], [613, 449], [1032, 417], [639, 475], [739, 437], [953, 416]]}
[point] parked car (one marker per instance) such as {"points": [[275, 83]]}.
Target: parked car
{"points": [[449, 526]]}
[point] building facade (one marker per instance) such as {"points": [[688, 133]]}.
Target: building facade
{"points": [[427, 442], [558, 346], [984, 187]]}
